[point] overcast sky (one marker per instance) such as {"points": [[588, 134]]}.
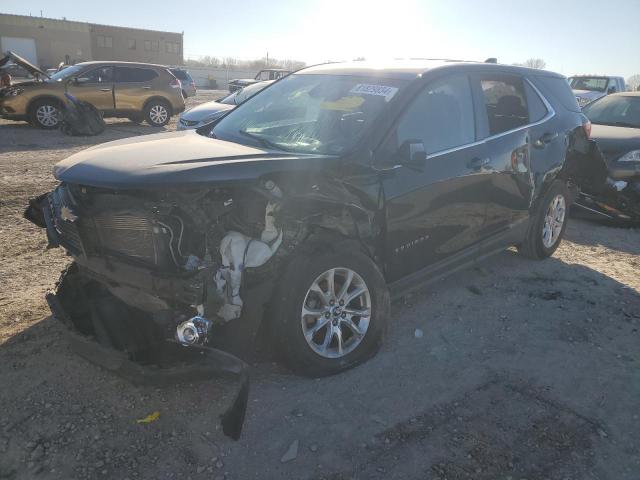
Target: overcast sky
{"points": [[579, 36]]}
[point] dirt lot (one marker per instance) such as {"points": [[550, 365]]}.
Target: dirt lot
{"points": [[525, 370]]}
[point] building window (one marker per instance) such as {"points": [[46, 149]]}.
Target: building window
{"points": [[104, 41], [152, 45], [132, 44], [172, 47]]}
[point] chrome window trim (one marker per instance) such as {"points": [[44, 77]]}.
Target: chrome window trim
{"points": [[550, 114]]}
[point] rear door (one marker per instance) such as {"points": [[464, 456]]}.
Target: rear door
{"points": [[437, 211], [506, 129], [133, 86], [94, 85]]}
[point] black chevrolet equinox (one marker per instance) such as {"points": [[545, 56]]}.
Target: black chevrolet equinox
{"points": [[301, 212]]}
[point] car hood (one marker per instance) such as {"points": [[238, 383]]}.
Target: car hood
{"points": [[178, 159], [17, 59], [202, 111], [615, 141]]}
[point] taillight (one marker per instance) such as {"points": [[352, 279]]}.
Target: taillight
{"points": [[175, 83], [586, 126]]}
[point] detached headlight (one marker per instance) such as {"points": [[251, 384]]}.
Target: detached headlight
{"points": [[632, 156]]}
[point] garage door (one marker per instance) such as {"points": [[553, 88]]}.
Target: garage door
{"points": [[25, 47]]}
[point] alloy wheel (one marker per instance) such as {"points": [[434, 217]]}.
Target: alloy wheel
{"points": [[336, 313], [47, 115], [554, 221], [158, 114]]}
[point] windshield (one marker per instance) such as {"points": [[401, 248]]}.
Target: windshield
{"points": [[66, 73], [620, 111], [301, 113], [593, 84]]}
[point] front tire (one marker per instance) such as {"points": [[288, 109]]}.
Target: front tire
{"points": [[45, 114], [548, 225], [330, 312], [158, 113]]}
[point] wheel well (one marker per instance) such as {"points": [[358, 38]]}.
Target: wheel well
{"points": [[33, 101], [158, 98]]}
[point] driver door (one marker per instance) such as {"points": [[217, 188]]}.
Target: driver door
{"points": [[94, 86], [435, 211]]}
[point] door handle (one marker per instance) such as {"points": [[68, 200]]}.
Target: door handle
{"points": [[105, 89], [146, 88], [476, 164], [545, 140]]}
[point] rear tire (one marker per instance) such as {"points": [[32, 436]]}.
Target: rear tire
{"points": [[549, 223], [157, 113], [45, 114], [330, 337]]}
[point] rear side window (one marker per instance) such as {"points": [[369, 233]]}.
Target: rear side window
{"points": [[132, 74], [537, 109], [441, 116], [505, 102], [557, 88]]}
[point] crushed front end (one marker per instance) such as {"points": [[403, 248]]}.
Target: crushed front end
{"points": [[155, 271]]}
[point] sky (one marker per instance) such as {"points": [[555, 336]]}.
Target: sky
{"points": [[586, 36]]}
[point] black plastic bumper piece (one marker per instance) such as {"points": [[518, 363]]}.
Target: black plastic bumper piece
{"points": [[164, 364]]}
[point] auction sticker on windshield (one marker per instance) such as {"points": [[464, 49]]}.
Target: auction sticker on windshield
{"points": [[379, 90]]}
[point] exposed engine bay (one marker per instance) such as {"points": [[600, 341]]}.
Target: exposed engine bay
{"points": [[179, 257]]}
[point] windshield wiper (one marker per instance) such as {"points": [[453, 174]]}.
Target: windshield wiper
{"points": [[265, 142]]}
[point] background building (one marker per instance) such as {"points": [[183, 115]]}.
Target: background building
{"points": [[46, 42]]}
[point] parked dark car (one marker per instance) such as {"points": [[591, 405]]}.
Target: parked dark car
{"points": [[188, 83], [263, 75], [616, 131], [310, 205]]}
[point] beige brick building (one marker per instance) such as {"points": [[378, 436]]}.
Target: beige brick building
{"points": [[47, 42]]}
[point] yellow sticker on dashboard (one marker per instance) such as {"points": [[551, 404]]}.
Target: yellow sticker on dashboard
{"points": [[344, 104]]}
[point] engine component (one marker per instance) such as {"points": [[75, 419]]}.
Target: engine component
{"points": [[239, 251], [194, 331]]}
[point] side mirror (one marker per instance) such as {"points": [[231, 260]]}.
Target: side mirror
{"points": [[611, 90], [413, 153]]}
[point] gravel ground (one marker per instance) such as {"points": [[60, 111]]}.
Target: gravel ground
{"points": [[512, 369]]}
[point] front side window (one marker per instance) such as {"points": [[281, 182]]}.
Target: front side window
{"points": [[441, 116], [97, 75], [505, 103], [326, 114], [620, 111]]}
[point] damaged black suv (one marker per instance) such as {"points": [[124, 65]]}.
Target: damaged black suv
{"points": [[304, 210]]}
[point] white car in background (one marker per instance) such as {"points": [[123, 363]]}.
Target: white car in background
{"points": [[588, 88], [206, 113]]}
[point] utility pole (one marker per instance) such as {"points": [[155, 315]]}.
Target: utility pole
{"points": [[267, 64]]}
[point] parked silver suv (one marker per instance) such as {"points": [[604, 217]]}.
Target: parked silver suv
{"points": [[588, 88]]}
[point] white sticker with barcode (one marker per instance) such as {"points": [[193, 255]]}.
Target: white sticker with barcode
{"points": [[379, 90]]}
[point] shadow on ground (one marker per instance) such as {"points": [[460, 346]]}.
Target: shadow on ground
{"points": [[525, 369]]}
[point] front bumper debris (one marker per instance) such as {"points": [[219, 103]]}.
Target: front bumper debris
{"points": [[142, 361]]}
